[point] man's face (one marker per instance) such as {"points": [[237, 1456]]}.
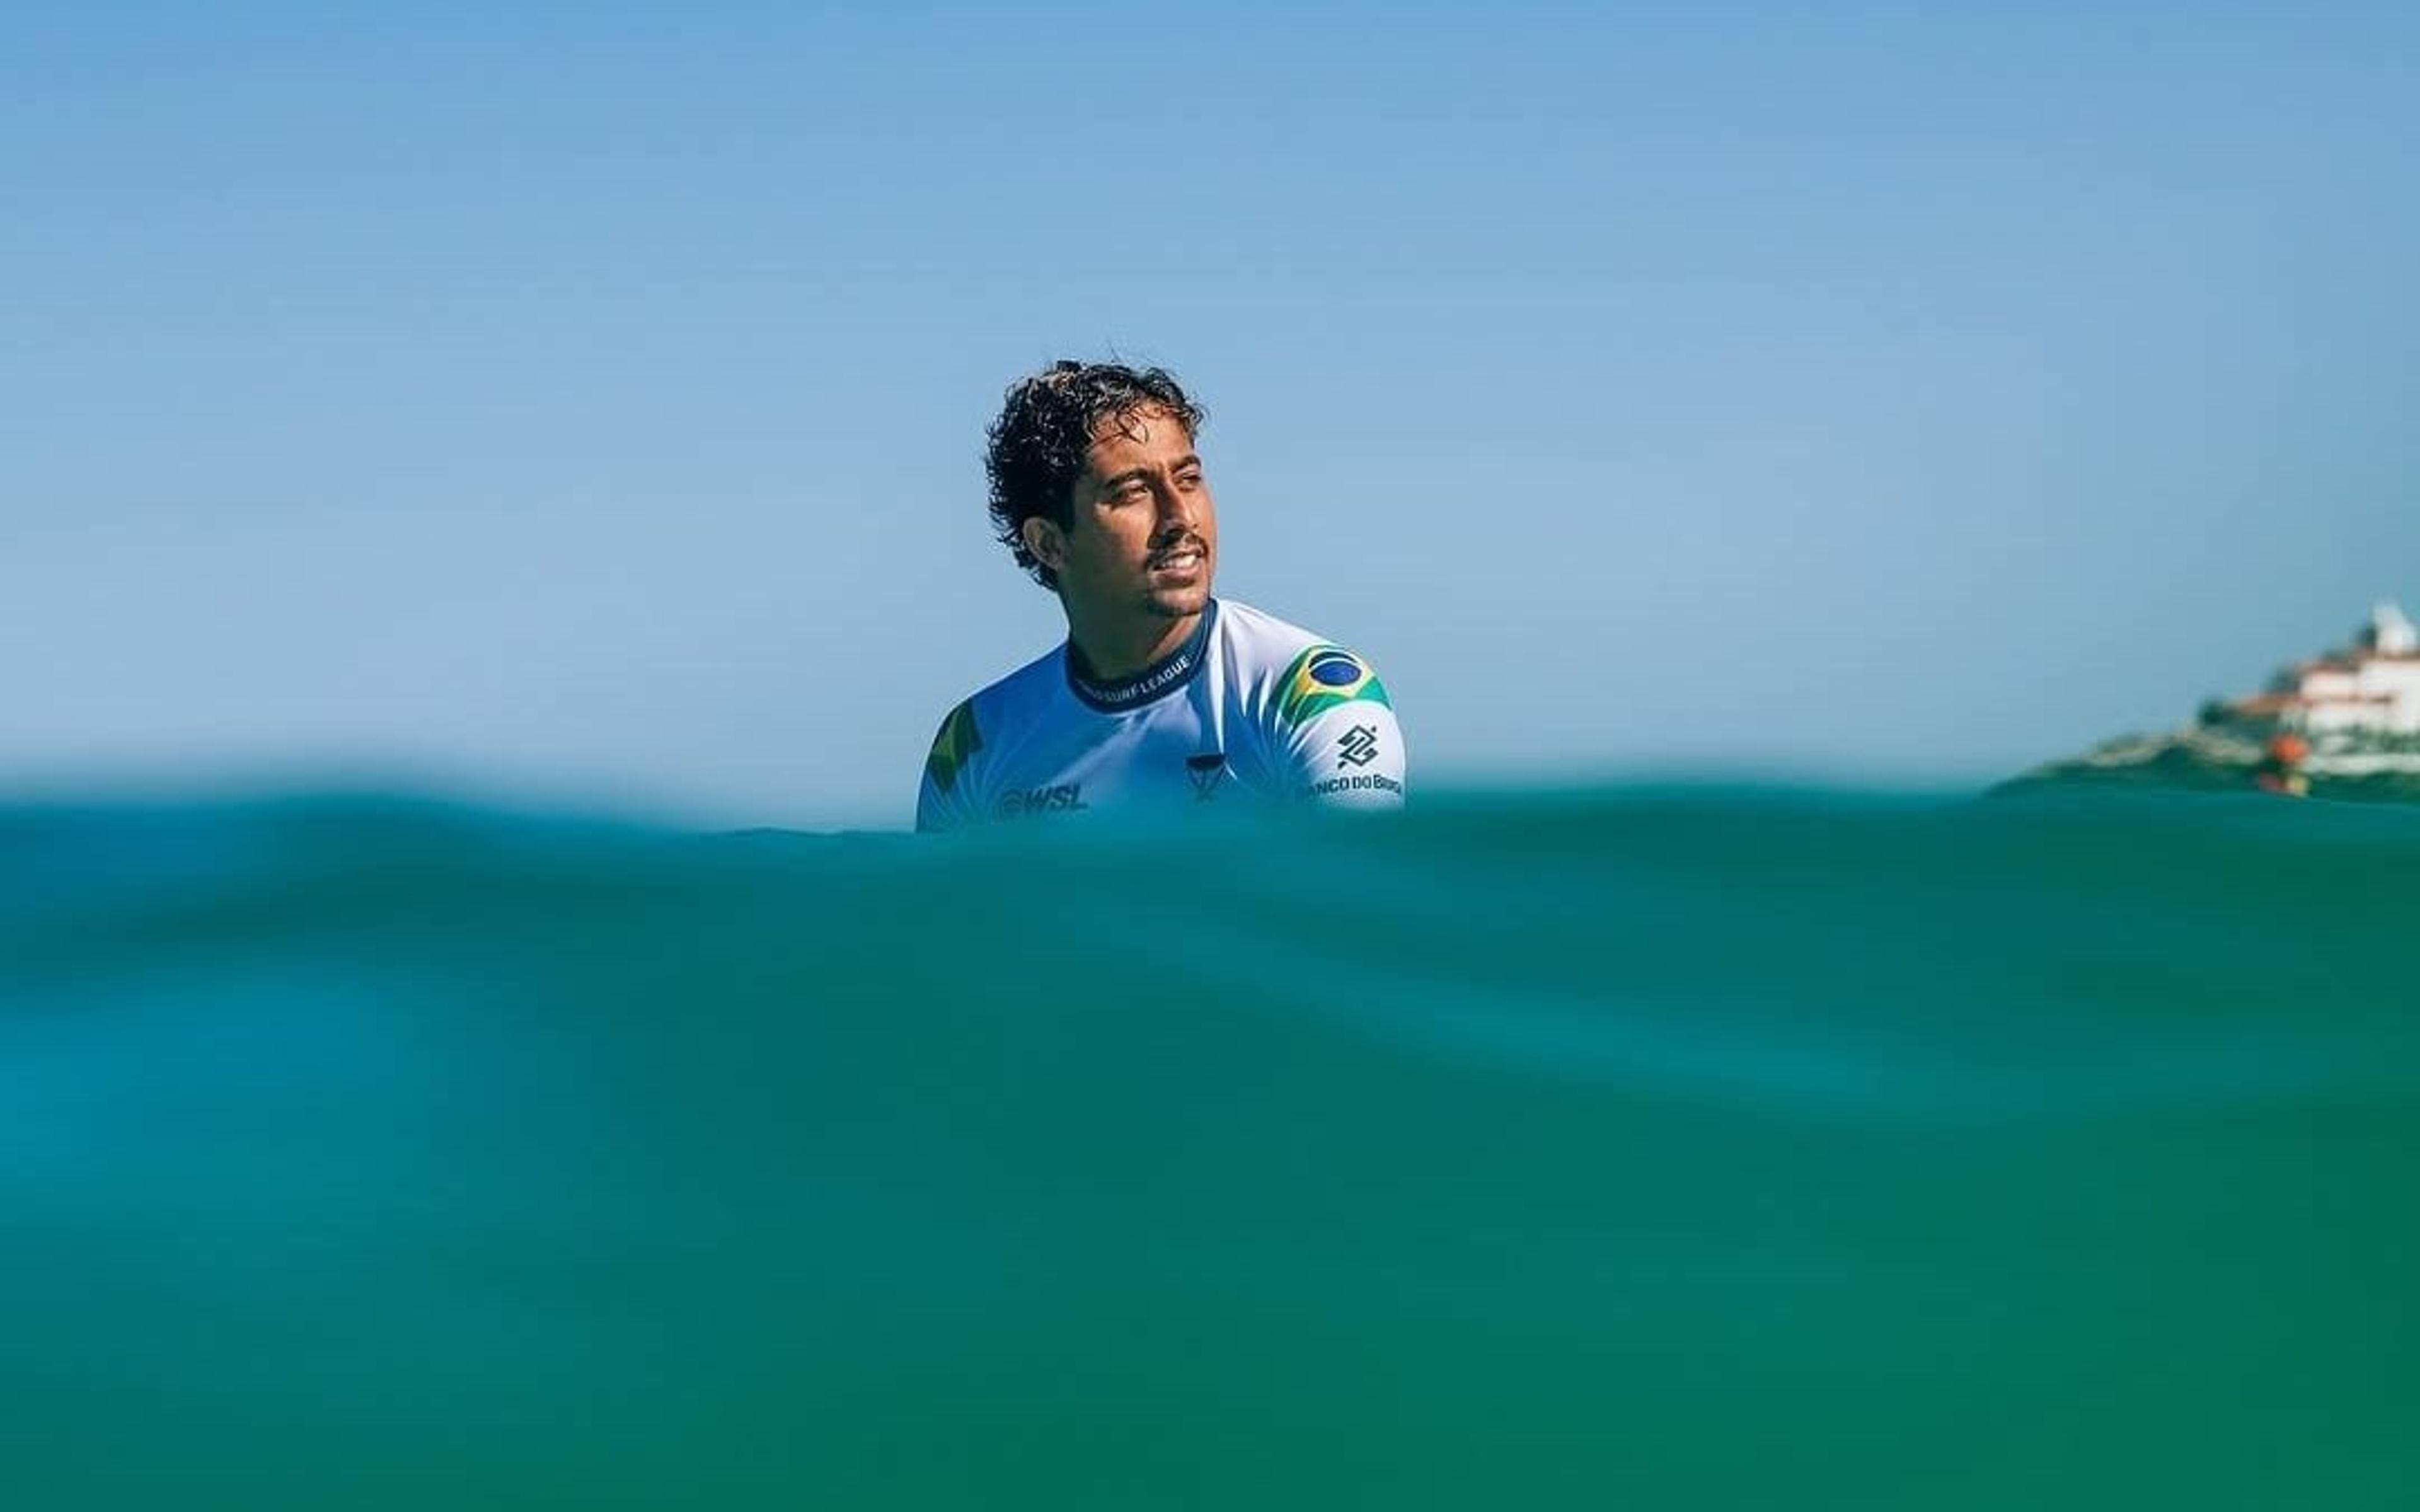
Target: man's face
{"points": [[1142, 534]]}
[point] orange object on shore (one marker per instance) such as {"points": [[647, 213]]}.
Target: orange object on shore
{"points": [[2290, 751]]}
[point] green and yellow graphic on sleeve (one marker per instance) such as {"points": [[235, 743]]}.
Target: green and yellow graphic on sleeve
{"points": [[1323, 677], [957, 741]]}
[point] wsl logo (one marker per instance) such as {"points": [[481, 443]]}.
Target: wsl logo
{"points": [[1358, 746], [1059, 800]]}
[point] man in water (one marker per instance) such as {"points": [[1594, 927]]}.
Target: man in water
{"points": [[1162, 696]]}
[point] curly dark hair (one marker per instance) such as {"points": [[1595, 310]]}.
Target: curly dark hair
{"points": [[1047, 424]]}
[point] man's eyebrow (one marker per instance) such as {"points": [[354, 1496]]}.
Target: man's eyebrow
{"points": [[1144, 470]]}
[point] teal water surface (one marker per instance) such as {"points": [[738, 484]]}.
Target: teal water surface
{"points": [[1620, 1150]]}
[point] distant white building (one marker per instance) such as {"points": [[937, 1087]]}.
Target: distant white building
{"points": [[2391, 634], [2373, 688]]}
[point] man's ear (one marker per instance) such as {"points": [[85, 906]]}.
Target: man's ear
{"points": [[1045, 541]]}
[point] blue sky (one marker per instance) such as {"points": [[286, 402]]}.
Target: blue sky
{"points": [[586, 403]]}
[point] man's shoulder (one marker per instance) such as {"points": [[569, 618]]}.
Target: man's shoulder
{"points": [[1259, 642], [1300, 671], [986, 711], [1030, 684]]}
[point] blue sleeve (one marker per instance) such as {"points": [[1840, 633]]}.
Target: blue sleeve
{"points": [[1337, 738], [944, 797]]}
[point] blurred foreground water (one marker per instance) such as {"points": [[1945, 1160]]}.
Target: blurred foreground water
{"points": [[1640, 1149]]}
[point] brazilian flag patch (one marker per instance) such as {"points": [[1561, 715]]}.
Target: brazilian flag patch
{"points": [[957, 741], [1324, 677]]}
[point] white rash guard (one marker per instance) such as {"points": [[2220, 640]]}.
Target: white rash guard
{"points": [[1248, 709]]}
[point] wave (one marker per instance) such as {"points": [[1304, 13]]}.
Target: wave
{"points": [[1666, 1148]]}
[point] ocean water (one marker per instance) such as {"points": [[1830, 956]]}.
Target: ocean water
{"points": [[1687, 1149]]}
